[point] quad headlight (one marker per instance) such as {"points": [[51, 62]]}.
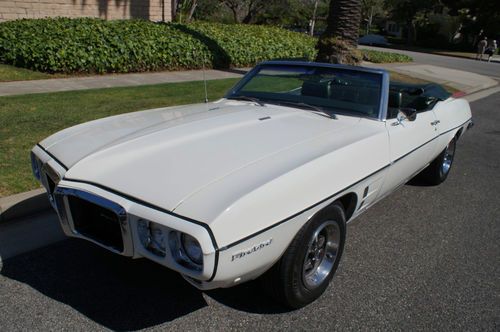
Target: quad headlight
{"points": [[191, 248], [153, 237], [184, 248]]}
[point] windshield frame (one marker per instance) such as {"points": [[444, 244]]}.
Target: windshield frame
{"points": [[384, 90]]}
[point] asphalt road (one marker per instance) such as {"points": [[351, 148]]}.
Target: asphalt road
{"points": [[490, 69], [425, 258]]}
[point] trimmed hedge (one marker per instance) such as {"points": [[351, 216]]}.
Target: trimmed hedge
{"points": [[385, 57], [90, 45]]}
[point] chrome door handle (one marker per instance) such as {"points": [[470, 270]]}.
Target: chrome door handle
{"points": [[433, 123]]}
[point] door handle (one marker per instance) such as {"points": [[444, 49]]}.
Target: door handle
{"points": [[434, 123]]}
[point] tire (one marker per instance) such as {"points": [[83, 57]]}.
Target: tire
{"points": [[309, 263], [439, 168]]}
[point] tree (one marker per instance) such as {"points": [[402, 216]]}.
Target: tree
{"points": [[184, 10], [409, 12], [479, 17], [244, 11], [338, 44], [370, 9]]}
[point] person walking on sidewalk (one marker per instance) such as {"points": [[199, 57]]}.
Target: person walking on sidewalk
{"points": [[491, 49], [481, 47]]}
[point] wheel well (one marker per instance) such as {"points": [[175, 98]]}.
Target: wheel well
{"points": [[349, 202]]}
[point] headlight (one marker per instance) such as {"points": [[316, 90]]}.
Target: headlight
{"points": [[35, 166], [152, 237], [192, 249]]}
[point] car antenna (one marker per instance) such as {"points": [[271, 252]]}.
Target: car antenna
{"points": [[204, 79]]}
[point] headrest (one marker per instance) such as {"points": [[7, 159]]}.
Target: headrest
{"points": [[316, 89]]}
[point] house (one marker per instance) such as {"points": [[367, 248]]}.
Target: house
{"points": [[154, 10], [393, 28]]}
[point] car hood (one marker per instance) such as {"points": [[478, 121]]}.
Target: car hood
{"points": [[165, 156]]}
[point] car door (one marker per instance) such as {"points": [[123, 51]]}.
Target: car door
{"points": [[412, 146]]}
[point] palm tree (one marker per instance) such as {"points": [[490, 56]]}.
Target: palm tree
{"points": [[338, 44]]}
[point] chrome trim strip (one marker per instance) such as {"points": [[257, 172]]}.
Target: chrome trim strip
{"points": [[384, 97]]}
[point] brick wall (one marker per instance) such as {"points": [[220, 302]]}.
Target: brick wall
{"points": [[154, 10]]}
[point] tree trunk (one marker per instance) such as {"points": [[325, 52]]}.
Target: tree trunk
{"points": [[194, 4], [338, 44], [343, 20], [313, 20]]}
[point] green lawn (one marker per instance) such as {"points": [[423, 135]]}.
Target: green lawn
{"points": [[27, 119], [11, 73]]}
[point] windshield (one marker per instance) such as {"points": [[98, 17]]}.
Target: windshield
{"points": [[335, 90]]}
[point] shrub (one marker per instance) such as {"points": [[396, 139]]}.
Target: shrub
{"points": [[89, 45], [93, 45], [385, 57]]}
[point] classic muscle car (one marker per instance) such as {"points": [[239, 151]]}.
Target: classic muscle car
{"points": [[259, 183]]}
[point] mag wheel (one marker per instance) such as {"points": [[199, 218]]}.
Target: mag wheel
{"points": [[439, 168], [307, 266]]}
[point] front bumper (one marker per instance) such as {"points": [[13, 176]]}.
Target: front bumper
{"points": [[123, 213]]}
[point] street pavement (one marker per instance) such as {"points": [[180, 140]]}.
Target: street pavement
{"points": [[425, 258], [490, 69]]}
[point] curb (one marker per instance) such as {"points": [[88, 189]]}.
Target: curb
{"points": [[23, 205]]}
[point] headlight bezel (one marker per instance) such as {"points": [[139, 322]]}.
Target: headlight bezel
{"points": [[182, 248]]}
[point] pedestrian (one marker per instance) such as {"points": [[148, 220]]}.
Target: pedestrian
{"points": [[481, 47], [491, 49]]}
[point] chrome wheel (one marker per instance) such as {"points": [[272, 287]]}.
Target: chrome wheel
{"points": [[321, 254], [448, 157]]}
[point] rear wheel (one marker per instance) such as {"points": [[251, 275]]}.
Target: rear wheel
{"points": [[439, 168], [309, 263]]}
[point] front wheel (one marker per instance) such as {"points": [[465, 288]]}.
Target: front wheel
{"points": [[307, 266], [439, 168]]}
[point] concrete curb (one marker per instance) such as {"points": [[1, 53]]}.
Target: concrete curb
{"points": [[23, 205]]}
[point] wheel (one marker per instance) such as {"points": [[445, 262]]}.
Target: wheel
{"points": [[309, 263], [439, 168]]}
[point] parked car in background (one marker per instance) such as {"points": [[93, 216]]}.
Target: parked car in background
{"points": [[260, 183], [375, 40]]}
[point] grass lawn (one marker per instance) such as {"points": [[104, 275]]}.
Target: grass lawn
{"points": [[11, 73], [27, 119]]}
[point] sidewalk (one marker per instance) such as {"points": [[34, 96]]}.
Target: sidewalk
{"points": [[113, 80]]}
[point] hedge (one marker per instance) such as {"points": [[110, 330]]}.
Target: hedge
{"points": [[385, 57], [90, 45]]}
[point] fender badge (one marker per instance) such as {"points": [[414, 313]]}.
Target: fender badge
{"points": [[245, 252]]}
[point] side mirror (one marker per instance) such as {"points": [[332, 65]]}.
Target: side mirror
{"points": [[407, 113]]}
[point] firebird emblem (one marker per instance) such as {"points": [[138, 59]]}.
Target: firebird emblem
{"points": [[246, 252]]}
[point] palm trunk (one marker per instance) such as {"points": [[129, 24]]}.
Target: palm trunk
{"points": [[338, 44]]}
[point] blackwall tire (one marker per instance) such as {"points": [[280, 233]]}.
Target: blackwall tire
{"points": [[439, 168], [304, 271]]}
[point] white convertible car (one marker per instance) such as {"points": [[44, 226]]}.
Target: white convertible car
{"points": [[259, 183]]}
